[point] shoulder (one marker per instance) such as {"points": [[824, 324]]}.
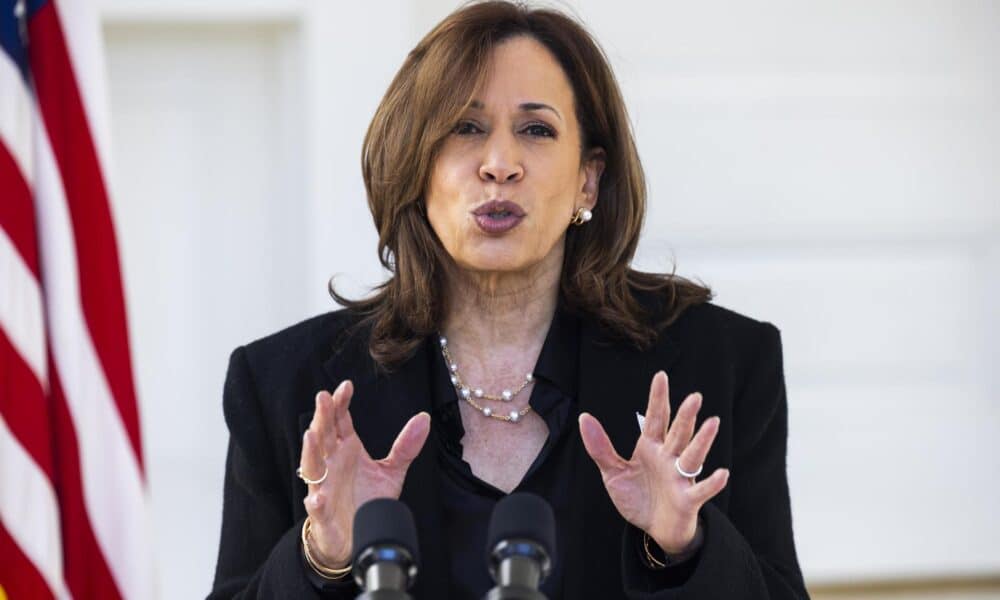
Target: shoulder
{"points": [[711, 336], [708, 322], [303, 345], [323, 329], [272, 380], [722, 323], [736, 348]]}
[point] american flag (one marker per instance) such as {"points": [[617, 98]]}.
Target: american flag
{"points": [[73, 500]]}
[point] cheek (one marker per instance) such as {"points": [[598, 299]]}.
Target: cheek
{"points": [[559, 202], [441, 220], [553, 224], [444, 206]]}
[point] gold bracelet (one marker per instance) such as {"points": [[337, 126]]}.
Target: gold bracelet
{"points": [[324, 572], [656, 564]]}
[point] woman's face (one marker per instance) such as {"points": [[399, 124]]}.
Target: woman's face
{"points": [[509, 177]]}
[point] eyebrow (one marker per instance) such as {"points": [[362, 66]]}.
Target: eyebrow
{"points": [[525, 106]]}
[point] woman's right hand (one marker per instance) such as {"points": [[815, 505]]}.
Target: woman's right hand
{"points": [[354, 477]]}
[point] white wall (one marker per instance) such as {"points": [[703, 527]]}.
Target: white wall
{"points": [[828, 166], [209, 206]]}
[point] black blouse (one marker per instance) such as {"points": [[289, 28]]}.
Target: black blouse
{"points": [[467, 500]]}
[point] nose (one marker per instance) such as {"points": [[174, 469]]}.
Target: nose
{"points": [[501, 161]]}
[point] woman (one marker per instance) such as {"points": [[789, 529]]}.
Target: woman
{"points": [[512, 349]]}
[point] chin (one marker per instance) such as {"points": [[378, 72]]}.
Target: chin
{"points": [[493, 266], [493, 262]]}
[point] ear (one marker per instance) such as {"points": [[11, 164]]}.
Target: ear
{"points": [[591, 170]]}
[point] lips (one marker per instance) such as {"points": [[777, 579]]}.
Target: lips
{"points": [[498, 216], [495, 207]]}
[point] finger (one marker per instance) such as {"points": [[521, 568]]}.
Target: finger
{"points": [[681, 430], [694, 455], [707, 488], [311, 462], [598, 445], [658, 408], [341, 404], [409, 442], [323, 424]]}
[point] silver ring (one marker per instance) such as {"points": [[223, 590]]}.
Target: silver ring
{"points": [[677, 464], [326, 472]]}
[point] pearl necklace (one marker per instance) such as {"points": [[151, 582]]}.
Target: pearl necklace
{"points": [[468, 393]]}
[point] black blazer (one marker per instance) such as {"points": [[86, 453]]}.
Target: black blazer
{"points": [[735, 361]]}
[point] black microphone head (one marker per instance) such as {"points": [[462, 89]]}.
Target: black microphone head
{"points": [[522, 516], [385, 521]]}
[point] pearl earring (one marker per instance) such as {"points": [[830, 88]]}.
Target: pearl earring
{"points": [[582, 216]]}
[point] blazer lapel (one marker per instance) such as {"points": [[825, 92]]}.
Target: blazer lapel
{"points": [[614, 381], [380, 407]]}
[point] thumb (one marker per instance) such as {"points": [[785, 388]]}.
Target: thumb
{"points": [[598, 445], [409, 442]]}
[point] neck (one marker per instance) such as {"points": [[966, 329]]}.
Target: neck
{"points": [[488, 311]]}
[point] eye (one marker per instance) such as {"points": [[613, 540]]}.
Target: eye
{"points": [[539, 130], [465, 128]]}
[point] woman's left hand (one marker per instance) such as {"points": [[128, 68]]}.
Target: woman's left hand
{"points": [[647, 489]]}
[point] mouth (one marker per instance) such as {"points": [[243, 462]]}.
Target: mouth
{"points": [[498, 216], [498, 209]]}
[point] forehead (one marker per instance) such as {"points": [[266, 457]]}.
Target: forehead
{"points": [[522, 70]]}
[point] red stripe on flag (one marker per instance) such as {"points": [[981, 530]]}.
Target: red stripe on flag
{"points": [[18, 577], [86, 195], [86, 571], [17, 213], [24, 407]]}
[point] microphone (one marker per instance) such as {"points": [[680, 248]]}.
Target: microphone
{"points": [[521, 546], [386, 555]]}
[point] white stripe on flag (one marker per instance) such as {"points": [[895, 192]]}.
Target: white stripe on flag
{"points": [[81, 26], [112, 483], [29, 511], [21, 309], [15, 115]]}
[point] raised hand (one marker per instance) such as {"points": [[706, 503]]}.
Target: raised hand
{"points": [[353, 477], [648, 490]]}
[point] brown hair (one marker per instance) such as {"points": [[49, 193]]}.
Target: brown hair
{"points": [[420, 108]]}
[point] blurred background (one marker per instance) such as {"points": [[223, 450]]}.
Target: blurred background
{"points": [[830, 166]]}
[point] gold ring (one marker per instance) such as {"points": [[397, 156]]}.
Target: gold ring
{"points": [[326, 472]]}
